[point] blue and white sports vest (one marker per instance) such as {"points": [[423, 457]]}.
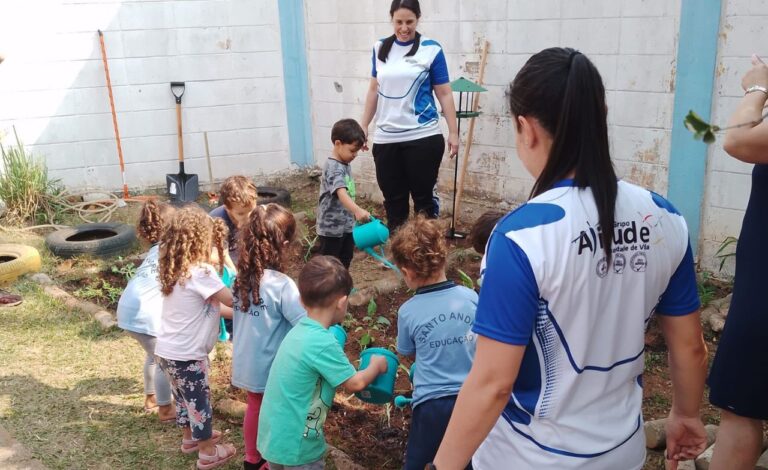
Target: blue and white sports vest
{"points": [[406, 108], [548, 286]]}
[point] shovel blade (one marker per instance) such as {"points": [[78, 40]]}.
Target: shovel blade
{"points": [[182, 187]]}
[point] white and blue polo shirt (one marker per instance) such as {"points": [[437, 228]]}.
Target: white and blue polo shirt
{"points": [[406, 108], [436, 325], [548, 286]]}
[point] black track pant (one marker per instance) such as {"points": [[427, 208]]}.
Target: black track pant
{"points": [[408, 169]]}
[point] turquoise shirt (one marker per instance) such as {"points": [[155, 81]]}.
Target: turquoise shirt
{"points": [[309, 365], [436, 326], [261, 329]]}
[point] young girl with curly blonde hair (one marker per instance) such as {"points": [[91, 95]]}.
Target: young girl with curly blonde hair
{"points": [[190, 323], [140, 306], [435, 326], [266, 306]]}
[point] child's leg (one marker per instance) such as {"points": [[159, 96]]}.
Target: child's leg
{"points": [[428, 425], [347, 249], [148, 344], [330, 246], [172, 369], [251, 427]]}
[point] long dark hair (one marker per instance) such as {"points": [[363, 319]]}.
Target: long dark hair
{"points": [[386, 46], [563, 90]]}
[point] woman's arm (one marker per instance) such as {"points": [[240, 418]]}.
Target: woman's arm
{"points": [[371, 100], [445, 97], [686, 437], [483, 396], [750, 143]]}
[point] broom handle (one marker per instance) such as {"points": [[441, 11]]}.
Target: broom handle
{"points": [[181, 141], [471, 133], [114, 116]]}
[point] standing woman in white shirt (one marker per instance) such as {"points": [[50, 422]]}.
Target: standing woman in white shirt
{"points": [[572, 279], [408, 71]]}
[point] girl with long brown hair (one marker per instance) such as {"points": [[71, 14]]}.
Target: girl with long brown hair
{"points": [[140, 306], [190, 324], [266, 306]]}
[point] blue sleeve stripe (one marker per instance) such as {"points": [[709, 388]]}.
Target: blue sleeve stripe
{"points": [[438, 71], [682, 295], [373, 63]]}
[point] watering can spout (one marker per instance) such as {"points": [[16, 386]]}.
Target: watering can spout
{"points": [[371, 235]]}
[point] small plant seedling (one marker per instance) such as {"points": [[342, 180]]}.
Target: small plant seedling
{"points": [[704, 131], [706, 291], [383, 321], [722, 255], [349, 321], [128, 270], [388, 414], [372, 307], [365, 340], [308, 242], [466, 280]]}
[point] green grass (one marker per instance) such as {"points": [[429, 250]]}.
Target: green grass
{"points": [[73, 395]]}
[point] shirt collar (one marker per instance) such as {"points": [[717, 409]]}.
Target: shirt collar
{"points": [[407, 43], [435, 287]]}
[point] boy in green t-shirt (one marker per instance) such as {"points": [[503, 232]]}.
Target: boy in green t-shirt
{"points": [[308, 367]]}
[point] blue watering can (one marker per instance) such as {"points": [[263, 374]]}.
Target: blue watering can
{"points": [[228, 278], [371, 235], [403, 401]]}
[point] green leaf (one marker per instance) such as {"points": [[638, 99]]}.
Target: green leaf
{"points": [[372, 307], [694, 123], [466, 280], [365, 340], [383, 321]]}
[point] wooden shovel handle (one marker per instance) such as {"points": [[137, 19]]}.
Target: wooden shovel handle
{"points": [[181, 141]]}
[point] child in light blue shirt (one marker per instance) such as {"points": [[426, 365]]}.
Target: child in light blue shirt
{"points": [[435, 325], [263, 320]]}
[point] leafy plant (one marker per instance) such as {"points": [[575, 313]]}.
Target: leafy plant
{"points": [[702, 130], [722, 255], [706, 291], [365, 340], [466, 280], [25, 187], [388, 414], [127, 270], [100, 290], [308, 242], [383, 321], [372, 307]]}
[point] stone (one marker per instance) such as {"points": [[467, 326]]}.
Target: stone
{"points": [[707, 313], [341, 460], [711, 433], [387, 285], [724, 302], [105, 319], [655, 433], [717, 323], [762, 462], [703, 460], [361, 297], [42, 279], [232, 408], [686, 465]]}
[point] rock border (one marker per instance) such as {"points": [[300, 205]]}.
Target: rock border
{"points": [[104, 319]]}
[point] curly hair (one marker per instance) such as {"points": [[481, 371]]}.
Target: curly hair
{"points": [[153, 219], [188, 240], [238, 190], [420, 247], [482, 228], [270, 229]]}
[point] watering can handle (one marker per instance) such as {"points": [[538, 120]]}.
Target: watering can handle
{"points": [[223, 333]]}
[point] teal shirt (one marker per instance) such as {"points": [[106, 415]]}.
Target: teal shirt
{"points": [[308, 367]]}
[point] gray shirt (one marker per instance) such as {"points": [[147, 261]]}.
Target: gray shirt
{"points": [[333, 220]]}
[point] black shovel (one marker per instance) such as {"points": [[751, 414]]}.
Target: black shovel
{"points": [[181, 186]]}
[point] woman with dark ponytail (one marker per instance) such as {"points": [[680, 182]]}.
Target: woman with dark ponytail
{"points": [[408, 145], [571, 281]]}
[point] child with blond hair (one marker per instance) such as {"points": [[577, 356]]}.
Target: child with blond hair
{"points": [[190, 324], [435, 326]]}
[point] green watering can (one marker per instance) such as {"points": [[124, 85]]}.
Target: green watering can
{"points": [[371, 235], [228, 278]]}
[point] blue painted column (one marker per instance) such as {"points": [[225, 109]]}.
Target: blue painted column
{"points": [[296, 78], [696, 61]]}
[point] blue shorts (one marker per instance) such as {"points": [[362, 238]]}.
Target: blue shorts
{"points": [[428, 424]]}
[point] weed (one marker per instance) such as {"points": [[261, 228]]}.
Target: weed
{"points": [[308, 242], [104, 292], [722, 255], [388, 414], [466, 280], [25, 187], [372, 307], [127, 270], [706, 290]]}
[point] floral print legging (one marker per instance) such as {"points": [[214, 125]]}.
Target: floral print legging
{"points": [[190, 388]]}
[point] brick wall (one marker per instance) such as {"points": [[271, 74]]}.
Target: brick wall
{"points": [[52, 87]]}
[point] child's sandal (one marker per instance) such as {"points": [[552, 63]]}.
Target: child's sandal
{"points": [[189, 446], [224, 453]]}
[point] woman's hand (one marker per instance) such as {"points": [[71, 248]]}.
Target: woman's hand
{"points": [[757, 75], [453, 145]]}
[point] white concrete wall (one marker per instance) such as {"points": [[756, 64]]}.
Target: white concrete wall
{"points": [[743, 27], [632, 42], [53, 89]]}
